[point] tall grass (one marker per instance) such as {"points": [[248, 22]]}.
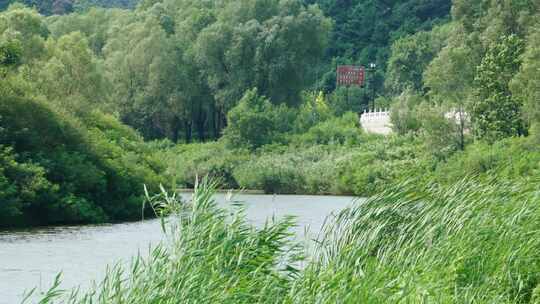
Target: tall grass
{"points": [[212, 256], [468, 243], [465, 243]]}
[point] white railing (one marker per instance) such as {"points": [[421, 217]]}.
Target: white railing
{"points": [[375, 114], [376, 121]]}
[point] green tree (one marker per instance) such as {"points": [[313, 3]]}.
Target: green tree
{"points": [[95, 24], [140, 61], [441, 129], [10, 55], [403, 114], [254, 122], [526, 84], [70, 75], [449, 78], [410, 57], [496, 113], [26, 26], [264, 50]]}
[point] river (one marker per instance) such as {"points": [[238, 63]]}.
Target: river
{"points": [[33, 257]]}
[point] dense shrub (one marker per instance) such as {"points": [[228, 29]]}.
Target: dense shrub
{"points": [[512, 158], [343, 130], [280, 169], [59, 169], [379, 163], [255, 122], [403, 114], [186, 163]]}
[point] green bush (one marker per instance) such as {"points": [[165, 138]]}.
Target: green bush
{"points": [[343, 130], [513, 158], [23, 188], [313, 110], [271, 173], [57, 169], [186, 163], [380, 162], [290, 169], [255, 122], [403, 115]]}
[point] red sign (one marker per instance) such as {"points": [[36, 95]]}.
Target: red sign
{"points": [[350, 75]]}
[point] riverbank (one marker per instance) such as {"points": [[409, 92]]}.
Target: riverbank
{"points": [[262, 192], [362, 169], [239, 191]]}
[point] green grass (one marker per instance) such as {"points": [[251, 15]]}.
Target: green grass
{"points": [[471, 242]]}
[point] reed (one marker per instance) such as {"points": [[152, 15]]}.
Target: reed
{"points": [[466, 243]]}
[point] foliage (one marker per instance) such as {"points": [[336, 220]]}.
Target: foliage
{"points": [[379, 163], [10, 53], [188, 163], [179, 67], [347, 99], [410, 57], [69, 75], [57, 171], [482, 56], [443, 129], [313, 110], [403, 114], [62, 7], [279, 169], [365, 30], [187, 71], [254, 122], [525, 86], [344, 130], [496, 113], [461, 237]]}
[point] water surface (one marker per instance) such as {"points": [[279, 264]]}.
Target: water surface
{"points": [[32, 258]]}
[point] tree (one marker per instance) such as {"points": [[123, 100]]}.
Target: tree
{"points": [[441, 128], [365, 29], [141, 63], [250, 123], [403, 114], [27, 27], [496, 113], [410, 57], [70, 75], [10, 55], [95, 24], [270, 52], [526, 85], [449, 78]]}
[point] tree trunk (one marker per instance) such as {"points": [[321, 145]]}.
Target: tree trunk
{"points": [[176, 129], [187, 129]]}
